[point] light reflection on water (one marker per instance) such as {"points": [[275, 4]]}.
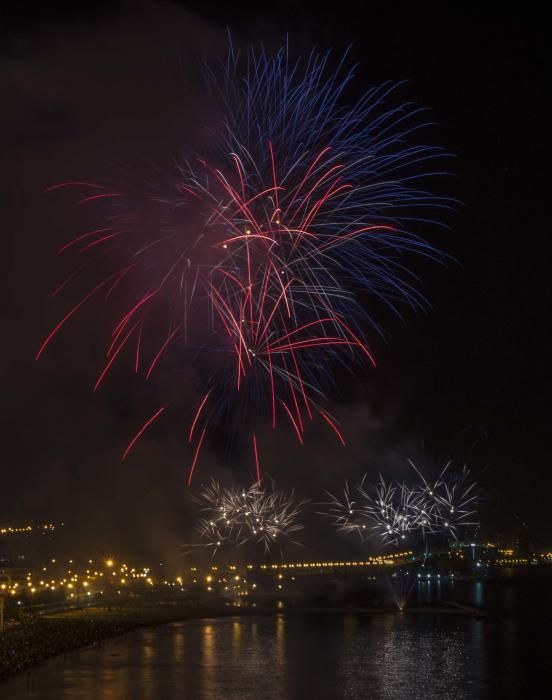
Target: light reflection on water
{"points": [[297, 656]]}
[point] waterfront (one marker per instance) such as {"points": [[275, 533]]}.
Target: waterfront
{"points": [[323, 655]]}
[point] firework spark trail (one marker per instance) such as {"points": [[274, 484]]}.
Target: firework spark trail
{"points": [[196, 455], [393, 511], [256, 454], [263, 254], [146, 425], [260, 514]]}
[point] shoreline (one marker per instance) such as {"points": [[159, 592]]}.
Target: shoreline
{"points": [[27, 645]]}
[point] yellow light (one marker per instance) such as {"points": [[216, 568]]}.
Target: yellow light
{"points": [[210, 578], [109, 563]]}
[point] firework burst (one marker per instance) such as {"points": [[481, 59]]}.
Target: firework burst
{"points": [[393, 512], [260, 514], [255, 262]]}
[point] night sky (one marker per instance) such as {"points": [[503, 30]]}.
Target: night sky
{"points": [[469, 379]]}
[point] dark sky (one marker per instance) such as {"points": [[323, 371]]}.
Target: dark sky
{"points": [[469, 379]]}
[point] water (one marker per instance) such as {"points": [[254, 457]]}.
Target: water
{"points": [[319, 655]]}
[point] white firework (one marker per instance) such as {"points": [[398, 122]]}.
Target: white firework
{"points": [[393, 511], [235, 516]]}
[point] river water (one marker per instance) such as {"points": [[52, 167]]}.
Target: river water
{"points": [[427, 655]]}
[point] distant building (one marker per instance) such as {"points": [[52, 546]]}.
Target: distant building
{"points": [[475, 555], [522, 543]]}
